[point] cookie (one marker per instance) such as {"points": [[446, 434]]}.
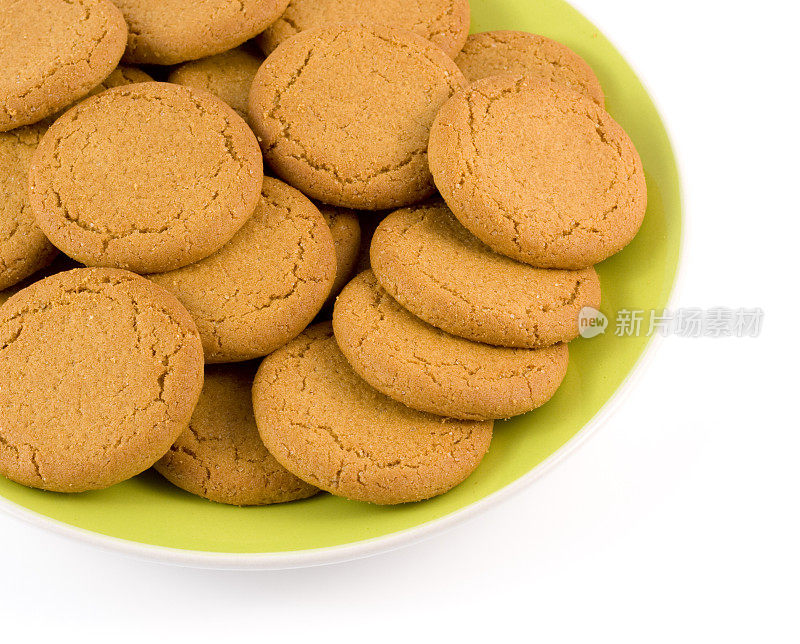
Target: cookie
{"points": [[346, 232], [369, 225], [518, 52], [53, 52], [228, 76], [168, 188], [23, 247], [264, 286], [220, 455], [538, 172], [430, 370], [343, 113], [443, 22], [326, 425], [121, 76], [436, 269], [167, 32], [100, 370]]}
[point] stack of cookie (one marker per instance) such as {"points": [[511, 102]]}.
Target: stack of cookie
{"points": [[469, 183]]}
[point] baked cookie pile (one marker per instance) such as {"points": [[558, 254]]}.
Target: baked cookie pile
{"points": [[410, 269]]}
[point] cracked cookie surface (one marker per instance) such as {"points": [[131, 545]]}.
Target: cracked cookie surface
{"points": [[220, 456], [343, 113], [167, 32], [326, 425], [444, 22], [147, 177], [53, 52], [100, 370], [430, 370], [265, 285], [518, 52], [436, 269], [538, 172], [23, 247], [346, 232], [228, 76]]}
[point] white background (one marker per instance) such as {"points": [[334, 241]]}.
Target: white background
{"points": [[677, 521]]}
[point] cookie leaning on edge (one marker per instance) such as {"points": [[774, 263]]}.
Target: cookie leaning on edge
{"points": [[228, 76], [375, 91], [436, 269], [346, 232], [166, 190], [53, 52], [433, 371], [327, 426], [538, 172], [23, 247], [220, 456], [265, 285], [444, 22], [167, 32], [517, 52], [100, 370]]}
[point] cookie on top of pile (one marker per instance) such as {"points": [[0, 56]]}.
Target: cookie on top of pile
{"points": [[409, 270]]}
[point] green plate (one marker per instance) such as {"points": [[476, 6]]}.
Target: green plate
{"points": [[149, 517]]}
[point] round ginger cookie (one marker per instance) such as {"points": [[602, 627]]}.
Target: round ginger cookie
{"points": [[53, 52], [264, 286], [327, 426], [436, 269], [23, 247], [517, 52], [443, 22], [100, 370], [343, 113], [346, 232], [430, 370], [168, 32], [220, 455], [228, 76], [538, 172], [147, 177]]}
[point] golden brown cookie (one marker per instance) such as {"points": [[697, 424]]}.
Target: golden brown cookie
{"points": [[23, 247], [436, 269], [444, 22], [518, 52], [369, 224], [228, 76], [167, 32], [343, 113], [168, 188], [264, 286], [53, 52], [346, 233], [326, 425], [100, 370], [220, 456], [538, 172], [430, 370]]}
